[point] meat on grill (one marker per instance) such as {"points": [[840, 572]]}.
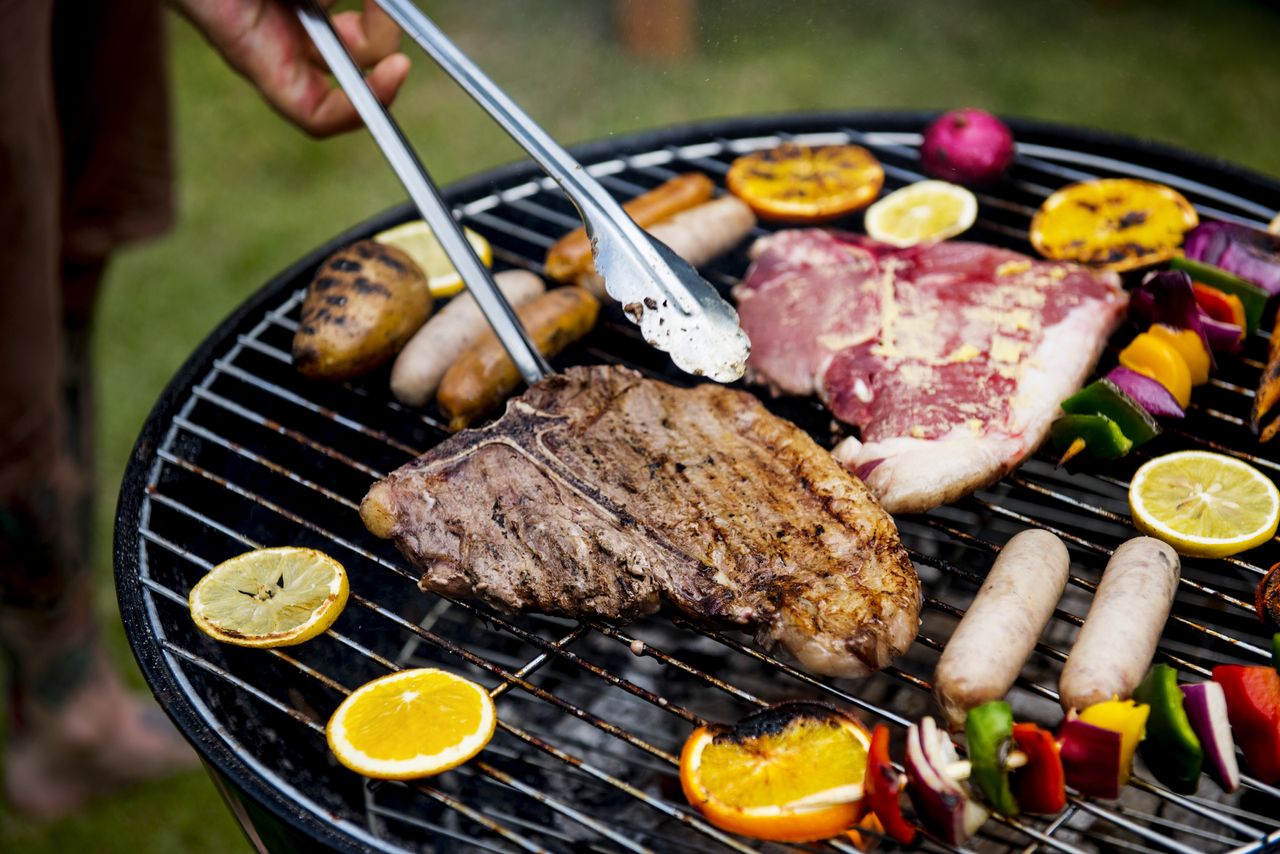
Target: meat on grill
{"points": [[950, 357], [602, 494]]}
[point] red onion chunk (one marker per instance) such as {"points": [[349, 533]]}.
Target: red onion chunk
{"points": [[1091, 758], [942, 803], [1174, 304], [1223, 337], [1206, 707], [1250, 253], [1153, 396]]}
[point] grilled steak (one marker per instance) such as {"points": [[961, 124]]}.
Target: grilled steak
{"points": [[950, 357], [604, 494]]}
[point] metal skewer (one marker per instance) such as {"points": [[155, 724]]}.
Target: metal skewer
{"points": [[676, 309], [422, 190]]}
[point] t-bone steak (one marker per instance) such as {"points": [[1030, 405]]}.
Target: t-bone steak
{"points": [[603, 494]]}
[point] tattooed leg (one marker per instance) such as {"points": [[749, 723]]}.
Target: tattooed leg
{"points": [[75, 732]]}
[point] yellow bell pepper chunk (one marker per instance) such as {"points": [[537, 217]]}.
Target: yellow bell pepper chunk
{"points": [[1189, 346], [1125, 717], [1156, 358]]}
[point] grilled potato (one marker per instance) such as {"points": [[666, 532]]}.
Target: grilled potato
{"points": [[365, 302]]}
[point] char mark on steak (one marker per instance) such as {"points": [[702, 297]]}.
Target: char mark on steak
{"points": [[602, 494]]}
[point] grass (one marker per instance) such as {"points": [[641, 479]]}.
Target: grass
{"points": [[254, 194]]}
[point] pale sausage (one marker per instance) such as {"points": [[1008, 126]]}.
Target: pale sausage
{"points": [[1001, 627], [422, 363], [1119, 636]]}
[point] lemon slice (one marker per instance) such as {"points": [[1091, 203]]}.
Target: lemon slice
{"points": [[1203, 504], [411, 724], [1274, 227], [926, 210], [270, 597], [418, 241]]}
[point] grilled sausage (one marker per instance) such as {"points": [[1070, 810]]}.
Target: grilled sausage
{"points": [[1130, 607], [363, 305], [484, 375], [699, 235], [422, 363], [998, 632], [571, 254]]}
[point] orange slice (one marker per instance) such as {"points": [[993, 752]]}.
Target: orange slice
{"points": [[1113, 223], [789, 773], [800, 183], [410, 724]]}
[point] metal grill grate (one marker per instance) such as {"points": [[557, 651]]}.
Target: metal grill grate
{"points": [[242, 452]]}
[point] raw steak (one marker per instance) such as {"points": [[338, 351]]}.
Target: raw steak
{"points": [[950, 357], [602, 494]]}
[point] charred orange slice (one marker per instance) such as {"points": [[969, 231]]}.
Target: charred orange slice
{"points": [[789, 773], [1113, 223], [801, 183]]}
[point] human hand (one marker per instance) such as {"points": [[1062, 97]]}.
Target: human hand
{"points": [[263, 40]]}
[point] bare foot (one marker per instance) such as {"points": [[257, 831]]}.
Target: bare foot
{"points": [[98, 740]]}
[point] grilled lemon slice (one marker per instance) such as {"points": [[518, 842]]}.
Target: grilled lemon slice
{"points": [[410, 724], [270, 597], [789, 773], [801, 183], [925, 210], [1203, 504], [416, 239], [1113, 223]]}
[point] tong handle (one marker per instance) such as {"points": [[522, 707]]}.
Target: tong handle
{"points": [[599, 210], [424, 193]]}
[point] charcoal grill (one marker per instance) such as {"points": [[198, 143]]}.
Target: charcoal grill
{"points": [[240, 451]]}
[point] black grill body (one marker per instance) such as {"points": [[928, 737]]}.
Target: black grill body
{"points": [[241, 451]]}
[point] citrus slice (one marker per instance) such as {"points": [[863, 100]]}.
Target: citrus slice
{"points": [[410, 724], [801, 183], [925, 210], [416, 239], [789, 773], [1203, 504], [270, 597], [1113, 223], [1274, 227]]}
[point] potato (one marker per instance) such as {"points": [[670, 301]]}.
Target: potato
{"points": [[365, 302]]}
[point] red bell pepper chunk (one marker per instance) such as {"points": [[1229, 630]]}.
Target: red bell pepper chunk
{"points": [[1253, 706], [1221, 306], [883, 786], [1040, 786]]}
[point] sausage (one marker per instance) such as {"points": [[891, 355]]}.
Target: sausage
{"points": [[987, 650], [1130, 607], [422, 363], [699, 235], [484, 375], [571, 254]]}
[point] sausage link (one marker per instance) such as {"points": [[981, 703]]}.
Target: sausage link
{"points": [[423, 362], [571, 254], [1001, 627], [1120, 633], [484, 375]]}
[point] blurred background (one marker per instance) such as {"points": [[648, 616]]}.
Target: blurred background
{"points": [[255, 194]]}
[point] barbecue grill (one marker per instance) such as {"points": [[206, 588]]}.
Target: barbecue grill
{"points": [[241, 451]]}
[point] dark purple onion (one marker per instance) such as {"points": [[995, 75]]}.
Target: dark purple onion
{"points": [[1153, 396], [1250, 253]]}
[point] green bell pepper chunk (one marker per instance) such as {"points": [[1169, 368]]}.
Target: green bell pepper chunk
{"points": [[1103, 438], [989, 731], [1171, 750], [1275, 651], [1252, 297], [1106, 398]]}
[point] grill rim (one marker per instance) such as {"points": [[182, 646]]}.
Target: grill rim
{"points": [[147, 649]]}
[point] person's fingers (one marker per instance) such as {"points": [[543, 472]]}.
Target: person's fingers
{"points": [[328, 111], [370, 36]]}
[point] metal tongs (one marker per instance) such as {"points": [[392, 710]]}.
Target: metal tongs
{"points": [[677, 310]]}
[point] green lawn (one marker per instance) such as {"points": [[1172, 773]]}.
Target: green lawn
{"points": [[255, 194]]}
